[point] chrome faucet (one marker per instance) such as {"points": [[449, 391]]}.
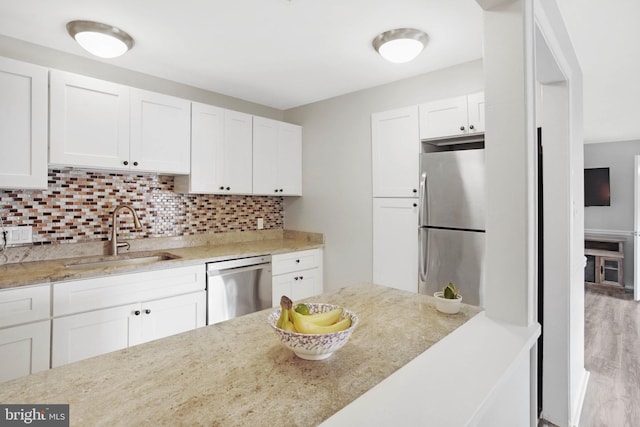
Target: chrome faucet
{"points": [[114, 240]]}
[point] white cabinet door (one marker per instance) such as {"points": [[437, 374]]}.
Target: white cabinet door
{"points": [[23, 125], [237, 168], [207, 151], [89, 122], [24, 350], [24, 304], [395, 153], [89, 334], [277, 158], [459, 116], [170, 316], [444, 118], [297, 275], [395, 243], [160, 133], [475, 105]]}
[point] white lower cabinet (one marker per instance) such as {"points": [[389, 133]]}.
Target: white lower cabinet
{"points": [[97, 316], [395, 243], [297, 275], [25, 331], [24, 349]]}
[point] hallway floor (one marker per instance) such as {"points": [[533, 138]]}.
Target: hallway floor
{"points": [[612, 356]]}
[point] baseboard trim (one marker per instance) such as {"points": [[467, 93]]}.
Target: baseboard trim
{"points": [[577, 406]]}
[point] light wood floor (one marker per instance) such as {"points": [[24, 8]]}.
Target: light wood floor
{"points": [[612, 356]]}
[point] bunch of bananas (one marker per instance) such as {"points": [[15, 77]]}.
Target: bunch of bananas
{"points": [[293, 320]]}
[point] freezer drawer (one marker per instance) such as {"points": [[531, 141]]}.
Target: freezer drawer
{"points": [[453, 256]]}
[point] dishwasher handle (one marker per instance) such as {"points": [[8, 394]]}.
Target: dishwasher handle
{"points": [[221, 272], [238, 262]]}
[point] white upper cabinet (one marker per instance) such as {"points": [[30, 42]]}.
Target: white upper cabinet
{"points": [[23, 125], [459, 116], [89, 122], [160, 132], [221, 152], [99, 124], [395, 153], [277, 158]]}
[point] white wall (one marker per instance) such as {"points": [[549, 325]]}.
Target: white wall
{"points": [[51, 58], [337, 165], [618, 218]]}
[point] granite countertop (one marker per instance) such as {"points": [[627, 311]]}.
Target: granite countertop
{"points": [[236, 373], [187, 252]]}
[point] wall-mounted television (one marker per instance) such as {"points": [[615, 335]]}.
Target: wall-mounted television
{"points": [[596, 187]]}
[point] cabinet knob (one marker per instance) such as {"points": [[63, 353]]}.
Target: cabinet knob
{"points": [[126, 163], [295, 278], [137, 312], [275, 191], [415, 190], [462, 128], [135, 163], [415, 205], [221, 187], [301, 277], [471, 127], [281, 190], [148, 311], [228, 188], [297, 261]]}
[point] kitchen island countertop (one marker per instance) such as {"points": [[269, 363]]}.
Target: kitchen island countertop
{"points": [[237, 373]]}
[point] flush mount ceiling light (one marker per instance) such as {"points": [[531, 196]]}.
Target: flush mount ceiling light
{"points": [[400, 45], [105, 41]]}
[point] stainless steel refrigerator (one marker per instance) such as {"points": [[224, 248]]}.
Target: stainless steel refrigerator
{"points": [[452, 223]]}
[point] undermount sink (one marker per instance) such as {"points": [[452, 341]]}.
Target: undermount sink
{"points": [[121, 260]]}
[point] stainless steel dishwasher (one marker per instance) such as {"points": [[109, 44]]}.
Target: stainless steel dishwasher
{"points": [[238, 286]]}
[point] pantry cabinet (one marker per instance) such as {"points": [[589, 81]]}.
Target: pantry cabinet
{"points": [[95, 316], [395, 243], [457, 116], [221, 152], [23, 125], [395, 152], [104, 125], [25, 328], [277, 158], [297, 275]]}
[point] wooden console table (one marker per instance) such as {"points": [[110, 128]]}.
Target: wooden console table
{"points": [[605, 256]]}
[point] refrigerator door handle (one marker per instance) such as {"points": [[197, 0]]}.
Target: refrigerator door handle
{"points": [[422, 220], [423, 241]]}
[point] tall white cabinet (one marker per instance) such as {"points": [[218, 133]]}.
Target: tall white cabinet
{"points": [[23, 125], [395, 167], [395, 145]]}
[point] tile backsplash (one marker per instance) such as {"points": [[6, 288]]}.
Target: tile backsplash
{"points": [[77, 207]]}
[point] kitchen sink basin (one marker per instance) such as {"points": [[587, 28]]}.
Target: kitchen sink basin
{"points": [[120, 260]]}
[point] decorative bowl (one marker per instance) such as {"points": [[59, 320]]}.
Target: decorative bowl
{"points": [[445, 305], [314, 346]]}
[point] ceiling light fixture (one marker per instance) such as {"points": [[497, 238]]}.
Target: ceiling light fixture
{"points": [[102, 40], [400, 45]]}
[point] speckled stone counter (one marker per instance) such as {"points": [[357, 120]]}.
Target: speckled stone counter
{"points": [[26, 269], [237, 373]]}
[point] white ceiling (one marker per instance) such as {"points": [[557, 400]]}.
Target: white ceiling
{"points": [[287, 53]]}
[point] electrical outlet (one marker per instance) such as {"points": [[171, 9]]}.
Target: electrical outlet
{"points": [[19, 235], [260, 223]]}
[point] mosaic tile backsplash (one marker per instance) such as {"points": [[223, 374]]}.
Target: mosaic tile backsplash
{"points": [[77, 207]]}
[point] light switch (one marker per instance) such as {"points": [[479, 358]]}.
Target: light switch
{"points": [[260, 223]]}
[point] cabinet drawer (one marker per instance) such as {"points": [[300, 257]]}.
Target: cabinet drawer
{"points": [[22, 305], [92, 294], [295, 261]]}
